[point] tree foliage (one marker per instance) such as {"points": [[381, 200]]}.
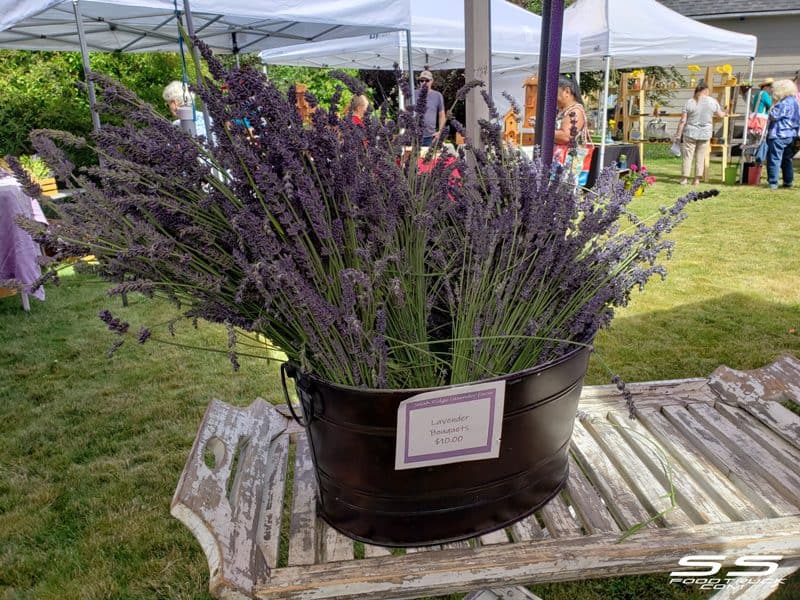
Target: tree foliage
{"points": [[40, 89]]}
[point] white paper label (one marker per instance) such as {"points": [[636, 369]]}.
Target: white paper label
{"points": [[456, 424]]}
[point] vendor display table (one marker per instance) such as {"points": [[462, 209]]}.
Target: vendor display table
{"points": [[18, 251], [612, 154]]}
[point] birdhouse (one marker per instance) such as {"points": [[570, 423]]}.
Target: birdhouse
{"points": [[531, 86]]}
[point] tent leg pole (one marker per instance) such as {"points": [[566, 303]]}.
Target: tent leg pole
{"points": [[578, 71], [410, 67], [604, 129], [401, 101], [76, 7], [477, 65], [747, 106], [235, 48], [187, 10]]}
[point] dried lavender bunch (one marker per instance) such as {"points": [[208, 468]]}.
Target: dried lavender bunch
{"points": [[368, 266]]}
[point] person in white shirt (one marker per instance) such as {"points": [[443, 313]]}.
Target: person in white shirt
{"points": [[696, 128], [176, 94]]}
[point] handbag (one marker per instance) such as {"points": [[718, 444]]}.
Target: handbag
{"points": [[757, 123], [761, 152], [675, 149], [656, 130], [577, 162]]}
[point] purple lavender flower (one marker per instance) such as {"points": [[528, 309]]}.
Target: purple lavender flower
{"points": [[114, 324], [369, 264]]}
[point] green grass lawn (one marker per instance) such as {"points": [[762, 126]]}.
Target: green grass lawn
{"points": [[92, 447]]}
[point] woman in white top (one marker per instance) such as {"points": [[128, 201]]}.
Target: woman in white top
{"points": [[177, 95], [696, 128]]}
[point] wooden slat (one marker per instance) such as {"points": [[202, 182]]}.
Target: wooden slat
{"points": [[527, 529], [759, 392], [775, 382], [688, 495], [781, 420], [651, 493], [712, 482], [335, 546], [419, 549], [371, 551], [776, 445], [303, 528], [558, 519], [733, 464], [652, 394], [293, 426], [587, 502], [495, 537], [460, 545], [782, 478], [623, 504], [565, 559], [227, 525], [269, 529]]}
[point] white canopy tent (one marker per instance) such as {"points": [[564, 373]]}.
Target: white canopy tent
{"points": [[437, 42], [228, 26], [646, 34]]}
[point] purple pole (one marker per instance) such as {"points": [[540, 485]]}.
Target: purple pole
{"points": [[549, 63], [543, 50]]}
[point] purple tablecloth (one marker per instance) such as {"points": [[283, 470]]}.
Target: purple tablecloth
{"points": [[18, 251]]}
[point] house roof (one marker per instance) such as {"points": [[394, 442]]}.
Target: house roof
{"points": [[701, 8]]}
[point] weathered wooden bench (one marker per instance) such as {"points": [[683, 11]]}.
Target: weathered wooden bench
{"points": [[730, 446]]}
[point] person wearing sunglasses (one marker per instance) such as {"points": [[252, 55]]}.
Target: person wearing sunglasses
{"points": [[434, 118]]}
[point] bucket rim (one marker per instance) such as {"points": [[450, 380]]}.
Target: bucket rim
{"points": [[587, 347]]}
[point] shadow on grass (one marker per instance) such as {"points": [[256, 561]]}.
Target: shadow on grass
{"points": [[691, 340]]}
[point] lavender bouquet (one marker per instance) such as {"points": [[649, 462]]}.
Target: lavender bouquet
{"points": [[367, 264]]}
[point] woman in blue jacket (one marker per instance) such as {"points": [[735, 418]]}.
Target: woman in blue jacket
{"points": [[784, 127]]}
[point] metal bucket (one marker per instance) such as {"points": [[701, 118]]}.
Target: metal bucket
{"points": [[352, 437]]}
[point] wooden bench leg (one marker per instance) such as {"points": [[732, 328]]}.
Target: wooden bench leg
{"points": [[515, 592], [230, 494]]}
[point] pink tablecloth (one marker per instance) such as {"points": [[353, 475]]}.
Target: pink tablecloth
{"points": [[18, 251]]}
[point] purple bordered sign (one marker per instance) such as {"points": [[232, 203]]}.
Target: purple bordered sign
{"points": [[452, 425]]}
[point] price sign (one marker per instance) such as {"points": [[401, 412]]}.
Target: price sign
{"points": [[451, 425]]}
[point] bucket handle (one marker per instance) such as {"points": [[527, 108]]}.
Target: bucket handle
{"points": [[288, 370]]}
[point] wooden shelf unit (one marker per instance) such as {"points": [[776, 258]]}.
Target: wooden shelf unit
{"points": [[633, 93]]}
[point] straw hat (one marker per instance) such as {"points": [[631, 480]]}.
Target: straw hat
{"points": [[766, 82]]}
